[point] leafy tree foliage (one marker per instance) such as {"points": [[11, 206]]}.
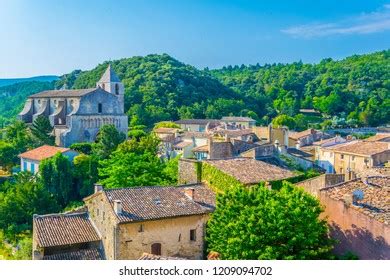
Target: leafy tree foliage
{"points": [[85, 148], [85, 173], [135, 163], [257, 223], [22, 198], [166, 124], [107, 140], [284, 120], [56, 177], [8, 155], [18, 134], [41, 130]]}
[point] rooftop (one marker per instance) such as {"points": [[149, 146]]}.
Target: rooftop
{"points": [[298, 153], [64, 229], [238, 119], [204, 148], [84, 254], [152, 203], [376, 196], [307, 132], [147, 256], [235, 132], [109, 76], [182, 144], [379, 137], [43, 152], [165, 130], [251, 171], [365, 148], [66, 93], [196, 121]]}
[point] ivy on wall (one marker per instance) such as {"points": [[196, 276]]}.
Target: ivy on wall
{"points": [[217, 180]]}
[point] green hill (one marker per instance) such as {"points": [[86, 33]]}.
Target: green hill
{"points": [[7, 82], [159, 87]]}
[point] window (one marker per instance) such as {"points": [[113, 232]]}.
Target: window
{"points": [[24, 166], [342, 156], [104, 215], [156, 249], [141, 228], [116, 89], [32, 168], [193, 234], [100, 108], [179, 237], [353, 157]]}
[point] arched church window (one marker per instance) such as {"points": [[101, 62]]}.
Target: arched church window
{"points": [[116, 89], [100, 108]]}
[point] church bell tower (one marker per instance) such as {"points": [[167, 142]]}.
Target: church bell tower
{"points": [[111, 83]]}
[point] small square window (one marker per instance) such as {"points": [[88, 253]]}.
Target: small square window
{"points": [[193, 234], [353, 157], [342, 156]]}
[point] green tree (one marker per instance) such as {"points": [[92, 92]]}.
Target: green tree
{"points": [[85, 172], [8, 155], [41, 130], [166, 124], [257, 223], [56, 177], [18, 134], [107, 141], [284, 120], [84, 148], [21, 199], [135, 163]]}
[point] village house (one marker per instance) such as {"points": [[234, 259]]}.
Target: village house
{"points": [[30, 160], [358, 213], [274, 135], [126, 223], [379, 137], [240, 122], [356, 157], [196, 125], [305, 138], [77, 114]]}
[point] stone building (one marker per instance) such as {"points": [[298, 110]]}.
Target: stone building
{"points": [[306, 137], [358, 214], [77, 115], [129, 222]]}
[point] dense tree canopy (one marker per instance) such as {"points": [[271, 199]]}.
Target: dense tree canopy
{"points": [[41, 130], [257, 223]]}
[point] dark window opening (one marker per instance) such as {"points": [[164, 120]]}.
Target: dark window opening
{"points": [[100, 107], [141, 228], [156, 249], [193, 234], [116, 89]]}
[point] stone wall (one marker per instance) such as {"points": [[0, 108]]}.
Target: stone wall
{"points": [[260, 151], [188, 172], [220, 150], [314, 185], [173, 234], [356, 232]]}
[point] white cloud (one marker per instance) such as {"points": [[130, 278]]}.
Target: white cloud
{"points": [[363, 24]]}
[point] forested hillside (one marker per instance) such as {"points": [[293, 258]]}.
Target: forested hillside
{"points": [[356, 88], [7, 82], [159, 87]]}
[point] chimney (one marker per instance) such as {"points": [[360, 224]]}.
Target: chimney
{"points": [[190, 192], [118, 207], [98, 188]]}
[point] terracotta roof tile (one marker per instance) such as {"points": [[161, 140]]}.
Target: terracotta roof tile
{"points": [[85, 254], [379, 137], [363, 148], [376, 201], [204, 148], [251, 171], [43, 152], [151, 203], [238, 119], [64, 229]]}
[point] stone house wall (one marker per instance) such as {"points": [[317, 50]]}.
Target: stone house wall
{"points": [[356, 232], [173, 234], [313, 185], [188, 173]]}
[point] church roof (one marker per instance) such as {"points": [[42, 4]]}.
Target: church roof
{"points": [[66, 93], [109, 76]]}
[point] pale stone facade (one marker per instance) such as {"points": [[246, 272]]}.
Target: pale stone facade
{"points": [[77, 115]]}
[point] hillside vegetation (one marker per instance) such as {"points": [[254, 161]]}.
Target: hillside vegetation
{"points": [[160, 88]]}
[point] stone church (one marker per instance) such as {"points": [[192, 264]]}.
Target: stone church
{"points": [[77, 115]]}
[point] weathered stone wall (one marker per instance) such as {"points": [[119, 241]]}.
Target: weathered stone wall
{"points": [[220, 150], [313, 185], [240, 146], [173, 234], [104, 219], [188, 171], [260, 151], [356, 232]]}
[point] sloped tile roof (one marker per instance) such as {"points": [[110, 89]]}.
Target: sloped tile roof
{"points": [[43, 152], [376, 201], [63, 93], [151, 203], [196, 121], [251, 171], [85, 254], [379, 137], [366, 148], [64, 229], [301, 134], [204, 148], [238, 119], [109, 76]]}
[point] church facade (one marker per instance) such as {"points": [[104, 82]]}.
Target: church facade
{"points": [[77, 115]]}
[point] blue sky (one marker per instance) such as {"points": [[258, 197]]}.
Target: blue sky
{"points": [[55, 37]]}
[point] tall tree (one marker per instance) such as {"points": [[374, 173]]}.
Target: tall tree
{"points": [[257, 223], [42, 130], [56, 176], [107, 141]]}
